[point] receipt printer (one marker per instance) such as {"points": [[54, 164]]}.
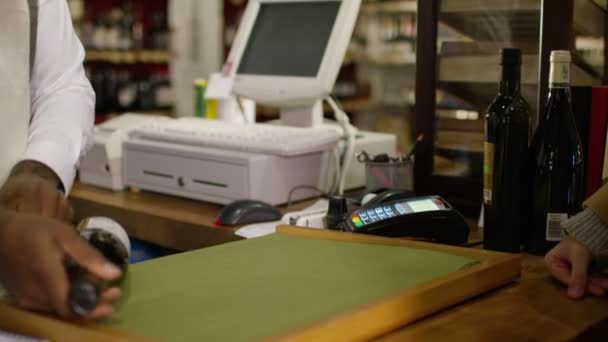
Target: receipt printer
{"points": [[102, 165]]}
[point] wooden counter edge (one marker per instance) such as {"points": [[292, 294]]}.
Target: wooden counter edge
{"points": [[31, 324]]}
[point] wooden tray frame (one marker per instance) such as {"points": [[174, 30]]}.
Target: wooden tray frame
{"points": [[373, 320]]}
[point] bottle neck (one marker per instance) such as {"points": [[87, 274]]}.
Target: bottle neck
{"points": [[559, 102], [510, 81], [559, 85], [559, 94]]}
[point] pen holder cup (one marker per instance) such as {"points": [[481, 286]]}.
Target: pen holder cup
{"points": [[389, 175]]}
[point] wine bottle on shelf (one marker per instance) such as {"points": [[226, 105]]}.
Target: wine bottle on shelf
{"points": [[163, 93], [113, 29], [126, 27], [145, 94], [97, 78], [126, 91], [87, 33], [157, 34], [99, 33], [137, 32], [507, 134], [110, 100], [556, 165], [111, 240]]}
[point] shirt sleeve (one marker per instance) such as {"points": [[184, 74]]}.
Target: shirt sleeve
{"points": [[62, 99], [598, 203], [588, 228]]}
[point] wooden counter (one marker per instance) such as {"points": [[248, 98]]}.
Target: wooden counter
{"points": [[173, 222], [168, 221], [535, 308]]}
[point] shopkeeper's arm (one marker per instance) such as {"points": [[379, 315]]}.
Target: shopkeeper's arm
{"points": [[578, 259]]}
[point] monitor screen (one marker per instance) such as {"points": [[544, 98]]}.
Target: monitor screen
{"points": [[289, 38]]}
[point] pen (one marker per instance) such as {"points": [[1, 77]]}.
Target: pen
{"points": [[411, 153]]}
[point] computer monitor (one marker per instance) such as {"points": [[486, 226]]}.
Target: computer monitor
{"points": [[287, 54]]}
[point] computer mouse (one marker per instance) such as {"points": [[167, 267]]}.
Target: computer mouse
{"points": [[247, 211]]}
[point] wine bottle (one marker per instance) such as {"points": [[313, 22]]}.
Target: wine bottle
{"points": [[126, 26], [99, 33], [126, 91], [507, 134], [111, 240], [556, 163]]}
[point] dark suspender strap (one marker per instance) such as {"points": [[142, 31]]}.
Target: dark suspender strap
{"points": [[33, 5]]}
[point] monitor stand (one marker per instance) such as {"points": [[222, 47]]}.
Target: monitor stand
{"points": [[306, 116]]}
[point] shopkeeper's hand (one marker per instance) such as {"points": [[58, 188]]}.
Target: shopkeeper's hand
{"points": [[34, 188], [569, 262], [32, 253]]}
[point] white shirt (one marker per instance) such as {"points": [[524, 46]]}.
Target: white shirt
{"points": [[62, 99]]}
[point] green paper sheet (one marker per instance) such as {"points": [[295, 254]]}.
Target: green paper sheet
{"points": [[254, 289]]}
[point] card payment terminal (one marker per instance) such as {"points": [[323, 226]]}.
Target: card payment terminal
{"points": [[429, 217]]}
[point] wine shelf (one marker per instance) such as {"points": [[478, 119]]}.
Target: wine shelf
{"points": [[470, 17], [485, 69], [128, 57], [391, 7]]}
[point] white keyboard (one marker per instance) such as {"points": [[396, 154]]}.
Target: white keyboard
{"points": [[259, 138]]}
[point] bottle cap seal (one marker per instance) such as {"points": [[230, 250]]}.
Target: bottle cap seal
{"points": [[560, 56]]}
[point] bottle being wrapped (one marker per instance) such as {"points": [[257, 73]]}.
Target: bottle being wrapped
{"points": [[111, 240]]}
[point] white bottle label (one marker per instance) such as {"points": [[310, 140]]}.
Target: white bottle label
{"points": [[488, 172], [554, 230]]}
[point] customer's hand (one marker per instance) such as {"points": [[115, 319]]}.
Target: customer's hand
{"points": [[32, 253], [33, 188], [569, 262]]}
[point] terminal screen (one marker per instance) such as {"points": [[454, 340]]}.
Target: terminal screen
{"points": [[423, 205]]}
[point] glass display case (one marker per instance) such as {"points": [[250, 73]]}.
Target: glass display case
{"points": [[458, 72], [383, 53]]}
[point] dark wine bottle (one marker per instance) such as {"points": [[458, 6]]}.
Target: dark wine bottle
{"points": [[111, 240], [507, 134], [556, 165]]}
